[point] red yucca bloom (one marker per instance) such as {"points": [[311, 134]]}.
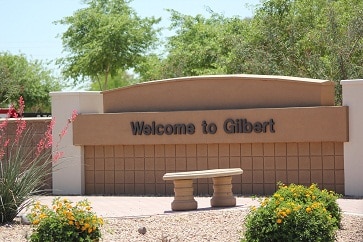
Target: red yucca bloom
{"points": [[24, 171], [44, 143]]}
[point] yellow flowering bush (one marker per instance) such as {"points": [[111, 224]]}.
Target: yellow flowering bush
{"points": [[64, 222], [294, 213]]}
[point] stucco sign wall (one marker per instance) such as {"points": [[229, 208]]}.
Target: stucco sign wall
{"points": [[275, 128], [314, 124]]}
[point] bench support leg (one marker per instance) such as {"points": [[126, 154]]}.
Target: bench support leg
{"points": [[223, 195], [184, 199]]}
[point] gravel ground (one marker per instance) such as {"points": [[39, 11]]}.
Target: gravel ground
{"points": [[208, 225]]}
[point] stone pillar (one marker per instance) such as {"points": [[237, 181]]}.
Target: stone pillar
{"points": [[68, 172], [222, 194], [353, 149], [183, 198]]}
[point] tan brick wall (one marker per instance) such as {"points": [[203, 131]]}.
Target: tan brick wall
{"points": [[36, 128], [138, 169]]}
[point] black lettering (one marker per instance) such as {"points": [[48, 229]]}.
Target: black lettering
{"points": [[168, 129], [247, 126], [204, 127], [212, 128], [137, 128], [147, 129], [264, 126], [257, 127], [228, 126], [180, 129], [190, 128], [272, 123], [159, 129]]}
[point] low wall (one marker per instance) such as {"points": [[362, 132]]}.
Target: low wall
{"points": [[36, 128]]}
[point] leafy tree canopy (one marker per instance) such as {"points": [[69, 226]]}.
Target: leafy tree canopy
{"points": [[104, 38], [121, 79], [30, 79]]}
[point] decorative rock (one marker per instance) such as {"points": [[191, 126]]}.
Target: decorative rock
{"points": [[142, 230], [24, 220]]}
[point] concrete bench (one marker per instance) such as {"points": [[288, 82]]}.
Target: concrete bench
{"points": [[183, 188]]}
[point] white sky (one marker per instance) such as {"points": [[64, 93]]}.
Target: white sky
{"points": [[27, 25]]}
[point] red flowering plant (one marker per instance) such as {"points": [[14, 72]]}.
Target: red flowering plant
{"points": [[24, 167]]}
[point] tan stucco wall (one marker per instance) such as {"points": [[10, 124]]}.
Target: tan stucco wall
{"points": [[312, 124], [34, 132], [138, 169], [220, 92], [298, 137]]}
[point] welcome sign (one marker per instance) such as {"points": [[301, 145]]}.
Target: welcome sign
{"points": [[212, 126], [230, 126]]}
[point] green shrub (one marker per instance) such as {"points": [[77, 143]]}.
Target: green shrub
{"points": [[294, 213], [64, 222]]}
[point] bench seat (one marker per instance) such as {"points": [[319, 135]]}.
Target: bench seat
{"points": [[183, 187]]}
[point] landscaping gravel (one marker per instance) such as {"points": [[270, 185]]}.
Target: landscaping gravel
{"points": [[206, 225]]}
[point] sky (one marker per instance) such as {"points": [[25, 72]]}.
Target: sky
{"points": [[27, 25]]}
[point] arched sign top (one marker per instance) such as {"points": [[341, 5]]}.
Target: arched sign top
{"points": [[220, 92]]}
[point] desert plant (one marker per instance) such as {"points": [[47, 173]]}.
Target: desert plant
{"points": [[64, 222], [24, 167], [294, 213]]}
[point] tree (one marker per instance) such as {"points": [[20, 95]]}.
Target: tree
{"points": [[317, 39], [30, 79], [104, 38], [194, 50], [121, 79]]}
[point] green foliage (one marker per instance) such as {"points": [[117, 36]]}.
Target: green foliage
{"points": [[104, 38], [316, 39], [64, 222], [294, 213], [121, 79], [30, 79], [199, 47]]}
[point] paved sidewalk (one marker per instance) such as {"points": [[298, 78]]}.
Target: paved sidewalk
{"points": [[134, 206]]}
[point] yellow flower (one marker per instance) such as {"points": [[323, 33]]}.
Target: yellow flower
{"points": [[288, 211], [100, 220], [308, 209], [35, 222], [89, 230], [279, 220], [70, 222]]}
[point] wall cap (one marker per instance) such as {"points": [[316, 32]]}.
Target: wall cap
{"points": [[352, 82], [75, 93]]}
